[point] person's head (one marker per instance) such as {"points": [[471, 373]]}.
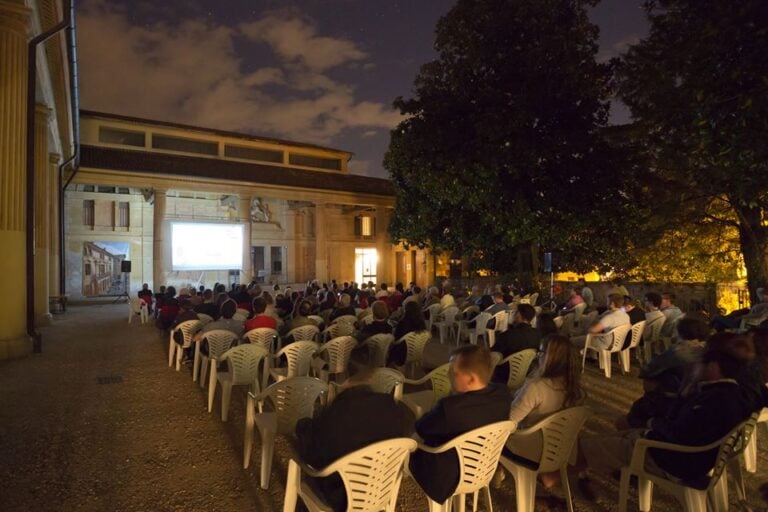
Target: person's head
{"points": [[208, 295], [525, 314], [305, 308], [417, 290], [475, 291], [652, 301], [259, 305], [145, 286], [228, 308], [383, 287], [185, 304], [615, 301], [738, 345], [718, 363], [399, 287], [170, 291], [546, 324], [667, 299], [380, 310], [629, 304], [345, 300], [498, 297], [162, 289], [558, 361], [692, 328], [574, 291], [192, 292], [201, 289], [413, 314], [582, 282], [470, 368], [268, 300]]}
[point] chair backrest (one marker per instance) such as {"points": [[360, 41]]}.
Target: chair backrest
{"points": [[293, 399], [304, 333], [619, 334], [433, 310], [519, 364], [559, 431], [470, 310], [578, 311], [351, 319], [135, 304], [372, 475], [415, 342], [188, 328], [379, 344], [242, 312], [261, 336], [387, 381], [339, 350], [317, 319], [534, 298], [652, 331], [496, 358], [299, 356], [479, 451], [243, 362], [204, 319], [481, 321], [502, 318], [733, 443], [339, 329], [441, 383], [637, 334], [219, 341]]}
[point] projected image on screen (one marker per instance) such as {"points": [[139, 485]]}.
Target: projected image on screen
{"points": [[197, 246]]}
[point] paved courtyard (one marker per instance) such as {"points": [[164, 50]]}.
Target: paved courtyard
{"points": [[99, 422]]}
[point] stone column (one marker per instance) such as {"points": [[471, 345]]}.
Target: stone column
{"points": [[321, 244], [290, 258], [14, 18], [383, 248], [159, 237], [42, 205], [244, 216], [53, 223]]}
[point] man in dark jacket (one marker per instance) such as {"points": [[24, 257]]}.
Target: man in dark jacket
{"points": [[357, 418], [520, 336], [475, 403]]}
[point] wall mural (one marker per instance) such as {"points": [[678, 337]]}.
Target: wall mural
{"points": [[101, 268]]}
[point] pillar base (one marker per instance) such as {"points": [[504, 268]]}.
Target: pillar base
{"points": [[43, 320], [15, 348]]}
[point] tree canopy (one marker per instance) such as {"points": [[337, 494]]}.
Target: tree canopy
{"points": [[504, 143]]}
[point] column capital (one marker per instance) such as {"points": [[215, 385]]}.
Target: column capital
{"points": [[15, 17], [54, 158]]}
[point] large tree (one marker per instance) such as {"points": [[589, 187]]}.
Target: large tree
{"points": [[697, 87], [503, 145]]}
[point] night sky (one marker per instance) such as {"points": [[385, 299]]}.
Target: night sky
{"points": [[322, 71]]}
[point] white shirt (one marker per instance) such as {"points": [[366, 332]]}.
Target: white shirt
{"points": [[535, 400], [613, 319]]}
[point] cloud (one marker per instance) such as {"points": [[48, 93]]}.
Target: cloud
{"points": [[618, 48], [369, 133], [189, 72], [362, 167]]}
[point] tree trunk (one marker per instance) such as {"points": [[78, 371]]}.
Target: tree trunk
{"points": [[753, 237]]}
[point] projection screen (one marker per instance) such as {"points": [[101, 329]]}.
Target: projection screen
{"points": [[206, 246]]}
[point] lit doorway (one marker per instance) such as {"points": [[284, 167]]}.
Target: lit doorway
{"points": [[365, 265]]}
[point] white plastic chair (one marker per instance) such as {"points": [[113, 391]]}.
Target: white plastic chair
{"points": [[317, 319], [303, 333], [243, 363], [175, 350], [559, 432], [204, 319], [216, 337], [335, 357], [480, 329], [371, 476], [379, 346], [500, 325], [519, 364], [478, 451], [613, 340], [692, 499], [336, 330], [382, 380], [241, 314], [533, 298], [750, 453], [432, 312], [446, 323], [290, 400], [299, 360], [651, 338], [350, 319], [421, 401], [463, 324], [137, 306], [637, 335], [261, 336], [219, 341], [415, 343]]}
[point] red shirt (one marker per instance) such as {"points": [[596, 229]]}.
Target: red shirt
{"points": [[260, 321]]}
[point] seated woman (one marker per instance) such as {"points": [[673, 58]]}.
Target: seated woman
{"points": [[168, 310], [412, 321], [260, 318], [554, 386], [379, 325]]}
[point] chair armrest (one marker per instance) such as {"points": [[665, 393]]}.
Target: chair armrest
{"points": [[650, 443], [416, 382], [437, 449]]}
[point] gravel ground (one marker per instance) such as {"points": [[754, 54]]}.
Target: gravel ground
{"points": [[147, 443]]}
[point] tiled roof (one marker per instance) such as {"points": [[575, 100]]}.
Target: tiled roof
{"points": [[180, 165]]}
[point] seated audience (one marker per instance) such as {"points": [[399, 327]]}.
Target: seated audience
{"points": [[733, 321], [412, 321], [383, 291], [670, 311], [612, 318], [185, 313], [225, 322], [260, 318], [168, 310], [519, 336], [379, 325], [475, 402], [635, 314], [300, 318], [208, 307], [357, 417], [343, 308]]}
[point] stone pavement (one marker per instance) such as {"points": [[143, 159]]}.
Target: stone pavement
{"points": [[98, 422]]}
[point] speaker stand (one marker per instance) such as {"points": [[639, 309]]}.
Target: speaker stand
{"points": [[124, 295]]}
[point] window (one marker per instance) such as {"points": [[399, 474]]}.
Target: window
{"points": [[263, 155], [87, 269], [121, 137], [123, 190], [106, 190], [333, 164], [123, 214], [365, 226], [276, 254], [186, 145], [89, 207]]}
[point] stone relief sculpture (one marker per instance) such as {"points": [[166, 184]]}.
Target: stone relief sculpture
{"points": [[261, 213]]}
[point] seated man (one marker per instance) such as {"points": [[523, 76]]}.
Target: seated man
{"points": [[146, 295], [574, 300], [520, 336], [260, 319], [613, 317], [225, 322], [358, 417], [717, 405], [733, 320], [379, 325], [300, 319], [208, 307], [670, 311], [475, 403]]}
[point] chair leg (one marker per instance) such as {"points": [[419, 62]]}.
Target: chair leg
{"points": [[267, 450], [196, 362], [292, 486], [644, 494], [226, 396], [204, 363], [179, 356], [624, 357], [623, 492], [566, 487], [718, 494], [248, 438], [212, 384], [171, 350], [696, 501], [525, 489], [750, 453], [488, 496]]}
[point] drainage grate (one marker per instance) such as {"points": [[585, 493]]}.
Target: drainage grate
{"points": [[110, 379]]}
